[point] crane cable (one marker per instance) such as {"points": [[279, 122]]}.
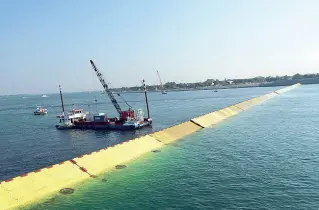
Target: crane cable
{"points": [[110, 84]]}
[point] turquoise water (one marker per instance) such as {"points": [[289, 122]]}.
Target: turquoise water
{"points": [[264, 158]]}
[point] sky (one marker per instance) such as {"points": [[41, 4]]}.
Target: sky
{"points": [[47, 43]]}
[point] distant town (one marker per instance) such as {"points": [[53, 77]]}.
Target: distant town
{"points": [[228, 83]]}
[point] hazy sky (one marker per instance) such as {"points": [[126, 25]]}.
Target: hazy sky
{"points": [[47, 43]]}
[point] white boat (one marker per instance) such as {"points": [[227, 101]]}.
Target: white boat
{"points": [[44, 96], [77, 114], [40, 111], [66, 120]]}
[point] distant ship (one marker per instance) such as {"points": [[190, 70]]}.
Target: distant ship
{"points": [[44, 96]]}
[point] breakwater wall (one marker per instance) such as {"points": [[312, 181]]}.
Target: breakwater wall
{"points": [[24, 189]]}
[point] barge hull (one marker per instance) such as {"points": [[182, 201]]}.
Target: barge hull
{"points": [[106, 126]]}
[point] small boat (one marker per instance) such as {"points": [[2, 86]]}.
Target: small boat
{"points": [[44, 96], [215, 91], [40, 111], [66, 120]]}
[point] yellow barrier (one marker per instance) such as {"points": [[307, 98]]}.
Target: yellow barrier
{"points": [[245, 104], [217, 116], [35, 185], [229, 111], [209, 119], [32, 186], [270, 95], [173, 133], [6, 199], [98, 162], [288, 88], [235, 109], [254, 101]]}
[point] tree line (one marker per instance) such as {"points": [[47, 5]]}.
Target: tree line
{"points": [[216, 82]]}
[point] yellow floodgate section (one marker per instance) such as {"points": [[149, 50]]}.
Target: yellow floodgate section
{"points": [[220, 115], [6, 199], [247, 104], [36, 185], [217, 116], [270, 95], [287, 88], [176, 132], [99, 161]]}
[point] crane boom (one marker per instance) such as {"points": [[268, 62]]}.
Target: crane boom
{"points": [[106, 88], [159, 77]]}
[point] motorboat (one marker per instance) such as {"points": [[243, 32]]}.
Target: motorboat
{"points": [[40, 110]]}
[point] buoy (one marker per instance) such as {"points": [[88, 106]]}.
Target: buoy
{"points": [[66, 191], [120, 166]]}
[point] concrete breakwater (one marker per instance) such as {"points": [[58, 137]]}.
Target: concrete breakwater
{"points": [[41, 183]]}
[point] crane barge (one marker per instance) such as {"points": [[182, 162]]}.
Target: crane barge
{"points": [[128, 119]]}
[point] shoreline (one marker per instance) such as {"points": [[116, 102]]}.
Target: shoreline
{"points": [[205, 88], [278, 83]]}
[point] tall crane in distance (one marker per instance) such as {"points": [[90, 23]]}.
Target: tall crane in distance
{"points": [[159, 77], [123, 114]]}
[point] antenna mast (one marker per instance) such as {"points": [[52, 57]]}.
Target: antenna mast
{"points": [[61, 100], [145, 92]]}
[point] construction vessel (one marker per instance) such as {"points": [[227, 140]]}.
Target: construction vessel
{"points": [[128, 120]]}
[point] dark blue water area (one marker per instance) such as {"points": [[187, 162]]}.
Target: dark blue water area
{"points": [[29, 142]]}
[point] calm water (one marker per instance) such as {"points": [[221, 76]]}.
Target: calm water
{"points": [[29, 142], [265, 158]]}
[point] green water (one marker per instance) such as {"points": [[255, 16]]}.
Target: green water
{"points": [[264, 158]]}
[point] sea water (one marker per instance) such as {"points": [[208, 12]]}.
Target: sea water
{"points": [[264, 158]]}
